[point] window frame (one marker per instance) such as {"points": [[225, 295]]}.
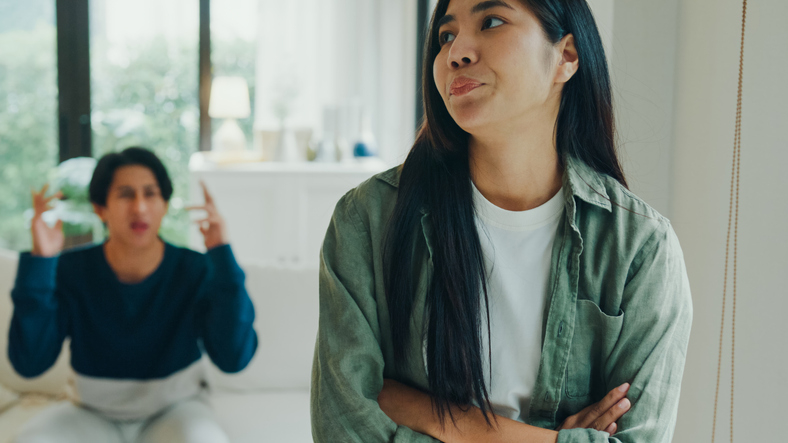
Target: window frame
{"points": [[73, 68]]}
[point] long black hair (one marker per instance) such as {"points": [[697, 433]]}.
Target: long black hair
{"points": [[435, 179]]}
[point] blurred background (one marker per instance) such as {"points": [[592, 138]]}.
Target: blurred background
{"points": [[282, 106]]}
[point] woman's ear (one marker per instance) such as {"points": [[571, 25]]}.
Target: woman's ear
{"points": [[568, 61]]}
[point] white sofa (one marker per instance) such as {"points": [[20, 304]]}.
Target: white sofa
{"points": [[267, 402]]}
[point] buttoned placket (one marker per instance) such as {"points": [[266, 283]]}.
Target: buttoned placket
{"points": [[560, 320]]}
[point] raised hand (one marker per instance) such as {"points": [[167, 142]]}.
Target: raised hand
{"points": [[603, 415], [47, 241], [212, 227]]}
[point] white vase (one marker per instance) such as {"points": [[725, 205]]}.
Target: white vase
{"points": [[287, 147]]}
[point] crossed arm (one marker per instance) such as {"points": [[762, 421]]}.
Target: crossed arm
{"points": [[410, 407]]}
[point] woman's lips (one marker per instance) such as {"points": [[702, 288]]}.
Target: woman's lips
{"points": [[461, 86]]}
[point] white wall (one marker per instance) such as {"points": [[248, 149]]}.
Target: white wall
{"points": [[642, 71], [706, 80], [675, 70]]}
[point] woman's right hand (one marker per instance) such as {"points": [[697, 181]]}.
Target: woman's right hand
{"points": [[47, 241], [603, 415]]}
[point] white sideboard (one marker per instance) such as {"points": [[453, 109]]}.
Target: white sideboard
{"points": [[277, 213]]}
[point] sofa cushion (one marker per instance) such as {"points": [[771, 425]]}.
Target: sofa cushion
{"points": [[254, 417], [7, 398], [52, 382], [246, 417], [12, 419], [286, 308]]}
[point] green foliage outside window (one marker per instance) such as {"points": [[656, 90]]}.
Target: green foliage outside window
{"points": [[28, 125]]}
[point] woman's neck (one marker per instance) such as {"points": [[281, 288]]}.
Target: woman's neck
{"points": [[516, 171], [133, 265]]}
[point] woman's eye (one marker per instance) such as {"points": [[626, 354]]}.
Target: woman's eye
{"points": [[445, 37], [492, 22]]}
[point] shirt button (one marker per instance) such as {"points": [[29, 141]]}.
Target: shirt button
{"points": [[547, 397], [560, 328]]}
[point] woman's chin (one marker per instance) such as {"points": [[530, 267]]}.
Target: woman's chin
{"points": [[471, 123], [470, 118]]}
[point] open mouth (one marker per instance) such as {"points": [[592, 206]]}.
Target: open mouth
{"points": [[139, 227]]}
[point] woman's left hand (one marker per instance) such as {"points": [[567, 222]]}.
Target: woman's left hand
{"points": [[212, 227]]}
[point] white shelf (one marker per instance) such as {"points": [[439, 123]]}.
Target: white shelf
{"points": [[276, 213], [201, 161]]}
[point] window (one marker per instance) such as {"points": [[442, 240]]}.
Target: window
{"points": [[28, 111], [144, 73], [302, 56]]}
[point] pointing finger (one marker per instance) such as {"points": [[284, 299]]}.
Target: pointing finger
{"points": [[58, 195], [208, 198]]}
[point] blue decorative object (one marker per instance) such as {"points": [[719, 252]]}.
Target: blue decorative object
{"points": [[362, 149], [365, 146]]}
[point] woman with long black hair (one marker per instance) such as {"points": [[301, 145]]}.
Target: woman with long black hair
{"points": [[503, 284]]}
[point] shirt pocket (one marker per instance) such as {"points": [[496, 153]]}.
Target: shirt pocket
{"points": [[595, 335]]}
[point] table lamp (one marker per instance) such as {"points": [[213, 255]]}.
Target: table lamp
{"points": [[229, 100]]}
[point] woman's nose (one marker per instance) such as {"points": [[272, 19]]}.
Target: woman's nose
{"points": [[463, 52]]}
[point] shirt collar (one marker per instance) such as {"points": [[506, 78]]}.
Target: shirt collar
{"points": [[579, 179], [585, 183]]}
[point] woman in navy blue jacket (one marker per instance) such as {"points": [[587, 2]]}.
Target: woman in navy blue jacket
{"points": [[139, 313]]}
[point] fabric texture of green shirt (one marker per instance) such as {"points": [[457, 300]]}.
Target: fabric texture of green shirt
{"points": [[619, 311]]}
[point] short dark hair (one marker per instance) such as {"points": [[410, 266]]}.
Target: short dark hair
{"points": [[109, 163]]}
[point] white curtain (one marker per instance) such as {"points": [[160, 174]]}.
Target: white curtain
{"points": [[317, 53]]}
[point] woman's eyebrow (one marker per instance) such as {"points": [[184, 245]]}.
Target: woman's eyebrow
{"points": [[477, 8], [445, 19], [489, 4]]}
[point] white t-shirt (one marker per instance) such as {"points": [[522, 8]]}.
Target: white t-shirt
{"points": [[517, 247]]}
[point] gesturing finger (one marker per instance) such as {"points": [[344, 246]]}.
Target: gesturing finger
{"points": [[41, 203], [56, 195], [208, 198]]}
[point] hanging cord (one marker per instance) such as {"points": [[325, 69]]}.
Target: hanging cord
{"points": [[733, 215]]}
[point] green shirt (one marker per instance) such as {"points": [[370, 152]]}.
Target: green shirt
{"points": [[619, 311]]}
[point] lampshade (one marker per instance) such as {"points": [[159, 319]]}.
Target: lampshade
{"points": [[229, 98]]}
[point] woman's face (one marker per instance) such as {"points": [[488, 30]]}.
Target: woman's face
{"points": [[135, 207], [495, 66]]}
